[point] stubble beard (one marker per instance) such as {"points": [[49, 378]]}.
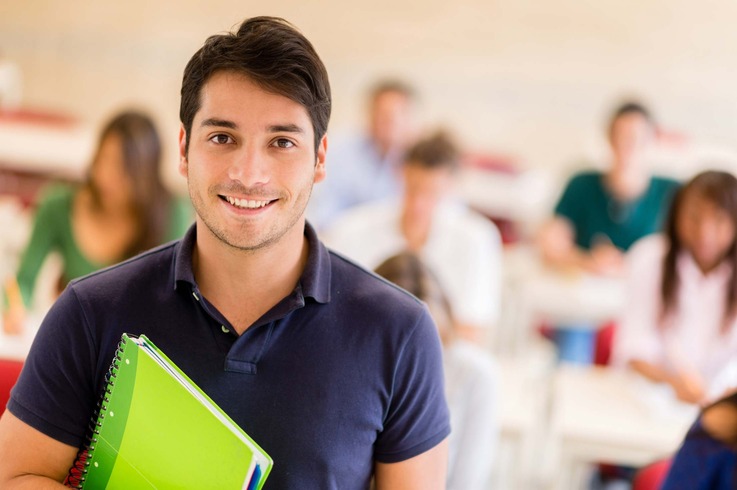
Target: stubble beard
{"points": [[234, 238]]}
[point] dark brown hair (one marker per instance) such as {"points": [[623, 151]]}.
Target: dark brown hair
{"points": [[391, 86], [627, 108], [141, 149], [719, 188], [436, 151], [274, 55]]}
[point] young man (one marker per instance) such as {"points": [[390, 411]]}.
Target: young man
{"points": [[600, 215], [335, 373], [462, 247]]}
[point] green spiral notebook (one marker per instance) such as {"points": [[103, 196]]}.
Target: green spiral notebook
{"points": [[157, 429]]}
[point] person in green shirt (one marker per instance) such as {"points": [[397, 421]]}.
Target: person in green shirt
{"points": [[601, 214], [120, 210]]}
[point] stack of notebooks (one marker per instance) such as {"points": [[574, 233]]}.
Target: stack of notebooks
{"points": [[156, 429]]}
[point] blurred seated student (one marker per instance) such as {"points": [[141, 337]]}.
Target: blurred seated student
{"points": [[470, 379], [365, 167], [679, 326], [601, 214], [462, 247], [707, 459], [120, 210]]}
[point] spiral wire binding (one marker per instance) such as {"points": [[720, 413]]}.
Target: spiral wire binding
{"points": [[78, 472]]}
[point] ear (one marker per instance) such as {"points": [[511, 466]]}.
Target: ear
{"points": [[322, 150], [183, 163]]}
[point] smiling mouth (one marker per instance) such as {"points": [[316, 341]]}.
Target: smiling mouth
{"points": [[246, 203]]}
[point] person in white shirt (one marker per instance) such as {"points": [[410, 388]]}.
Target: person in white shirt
{"points": [[462, 247], [680, 323], [471, 381]]}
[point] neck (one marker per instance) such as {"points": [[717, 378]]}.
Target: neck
{"points": [[626, 181], [245, 284], [415, 231], [707, 268], [106, 209]]}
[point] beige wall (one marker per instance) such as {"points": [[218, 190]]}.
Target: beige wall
{"points": [[530, 78]]}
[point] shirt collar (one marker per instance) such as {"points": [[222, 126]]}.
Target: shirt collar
{"points": [[687, 266], [314, 282]]}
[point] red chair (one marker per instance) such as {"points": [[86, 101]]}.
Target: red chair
{"points": [[652, 477], [9, 372]]}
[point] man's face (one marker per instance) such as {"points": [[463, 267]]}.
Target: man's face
{"points": [[251, 162], [392, 124], [424, 188], [631, 134]]}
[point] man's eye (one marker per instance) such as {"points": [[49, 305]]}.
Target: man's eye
{"points": [[221, 139], [283, 143]]}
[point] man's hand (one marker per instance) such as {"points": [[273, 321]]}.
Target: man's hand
{"points": [[606, 259]]}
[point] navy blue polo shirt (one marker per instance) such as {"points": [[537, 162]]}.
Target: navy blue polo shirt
{"points": [[344, 371]]}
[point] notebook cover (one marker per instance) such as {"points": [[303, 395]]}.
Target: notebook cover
{"points": [[154, 432]]}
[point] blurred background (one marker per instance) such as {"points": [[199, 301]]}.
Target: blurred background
{"points": [[533, 80], [526, 87]]}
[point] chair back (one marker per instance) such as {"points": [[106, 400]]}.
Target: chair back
{"points": [[9, 372], [652, 477]]}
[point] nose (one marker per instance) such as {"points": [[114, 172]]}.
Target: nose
{"points": [[249, 166]]}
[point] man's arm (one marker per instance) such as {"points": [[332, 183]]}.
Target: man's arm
{"points": [[426, 471], [558, 248], [31, 459]]}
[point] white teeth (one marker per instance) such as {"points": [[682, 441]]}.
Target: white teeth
{"points": [[246, 203]]}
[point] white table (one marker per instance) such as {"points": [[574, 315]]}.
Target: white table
{"points": [[601, 415], [16, 347], [47, 148], [534, 293], [524, 385], [524, 197]]}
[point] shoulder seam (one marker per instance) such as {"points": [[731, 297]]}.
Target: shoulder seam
{"points": [[370, 273]]}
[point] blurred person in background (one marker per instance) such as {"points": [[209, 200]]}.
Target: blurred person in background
{"points": [[707, 459], [601, 214], [470, 379], [365, 167], [679, 325], [122, 209], [462, 247]]}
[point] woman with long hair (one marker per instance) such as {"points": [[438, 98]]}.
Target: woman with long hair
{"points": [[679, 325], [120, 210]]}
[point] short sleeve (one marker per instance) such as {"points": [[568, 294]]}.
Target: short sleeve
{"points": [[56, 391], [417, 418], [569, 204]]}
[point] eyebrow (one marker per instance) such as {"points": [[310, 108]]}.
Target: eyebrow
{"points": [[275, 128], [221, 123], [285, 128]]}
